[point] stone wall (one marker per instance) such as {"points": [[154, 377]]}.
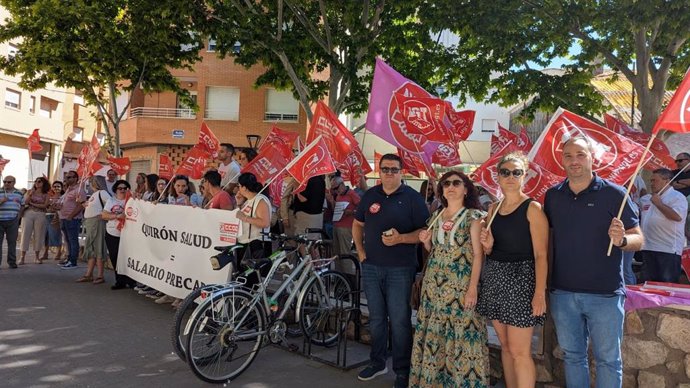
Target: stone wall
{"points": [[656, 352]]}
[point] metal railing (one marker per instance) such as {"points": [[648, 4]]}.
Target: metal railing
{"points": [[221, 114], [274, 116], [182, 113]]}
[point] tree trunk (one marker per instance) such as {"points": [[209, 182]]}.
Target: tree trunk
{"points": [[650, 107]]}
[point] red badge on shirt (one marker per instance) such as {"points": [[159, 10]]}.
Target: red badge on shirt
{"points": [[645, 207], [448, 225], [374, 208]]}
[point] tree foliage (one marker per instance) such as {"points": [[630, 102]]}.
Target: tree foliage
{"points": [[102, 47], [503, 43], [327, 47]]}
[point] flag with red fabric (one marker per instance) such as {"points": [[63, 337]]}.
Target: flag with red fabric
{"points": [[502, 140], [676, 116], [461, 123], [337, 138], [3, 163], [165, 167], [268, 163], [355, 167], [33, 142], [120, 165], [537, 179], [208, 141], [614, 157], [523, 141], [661, 156], [377, 161], [313, 161], [194, 163], [275, 190], [424, 116], [416, 163], [280, 136]]}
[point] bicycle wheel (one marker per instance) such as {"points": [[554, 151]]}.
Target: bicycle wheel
{"points": [[182, 316], [226, 336], [320, 306]]}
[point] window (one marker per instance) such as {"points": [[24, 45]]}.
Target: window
{"points": [[222, 103], [12, 99], [281, 106], [121, 102], [489, 125], [236, 47], [78, 134], [183, 110], [48, 107], [78, 99], [211, 47], [12, 50], [32, 104]]}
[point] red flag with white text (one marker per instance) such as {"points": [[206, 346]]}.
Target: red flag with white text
{"points": [[424, 116], [313, 161], [461, 123], [280, 137], [208, 141], [355, 167], [415, 163], [337, 138], [615, 158], [165, 167], [523, 141], [194, 163], [676, 116], [120, 165], [268, 163], [502, 140], [661, 156]]}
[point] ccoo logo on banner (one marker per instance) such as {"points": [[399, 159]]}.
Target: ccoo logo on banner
{"points": [[159, 247]]}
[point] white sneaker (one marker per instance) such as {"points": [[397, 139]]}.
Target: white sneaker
{"points": [[165, 299]]}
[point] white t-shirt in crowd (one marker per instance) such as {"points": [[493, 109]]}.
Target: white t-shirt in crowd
{"points": [[109, 185], [660, 233], [116, 206], [229, 172], [96, 203]]}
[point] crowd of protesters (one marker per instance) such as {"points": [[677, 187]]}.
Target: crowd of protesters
{"points": [[481, 259]]}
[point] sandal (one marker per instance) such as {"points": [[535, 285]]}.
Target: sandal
{"points": [[98, 280], [84, 279]]}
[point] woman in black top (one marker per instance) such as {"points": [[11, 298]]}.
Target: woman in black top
{"points": [[513, 288]]}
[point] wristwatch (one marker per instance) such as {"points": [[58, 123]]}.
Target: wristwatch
{"points": [[624, 242]]}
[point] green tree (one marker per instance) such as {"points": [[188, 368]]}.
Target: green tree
{"points": [[326, 48], [503, 43], [102, 48]]}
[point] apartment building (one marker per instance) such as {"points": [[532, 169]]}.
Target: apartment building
{"points": [[228, 102]]}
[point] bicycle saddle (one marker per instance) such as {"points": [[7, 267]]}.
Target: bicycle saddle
{"points": [[229, 248], [256, 264]]}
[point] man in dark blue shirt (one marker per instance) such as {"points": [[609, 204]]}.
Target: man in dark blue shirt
{"points": [[587, 289], [386, 232]]}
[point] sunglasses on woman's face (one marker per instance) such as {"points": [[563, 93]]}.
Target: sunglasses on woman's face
{"points": [[123, 188], [454, 182], [504, 172]]}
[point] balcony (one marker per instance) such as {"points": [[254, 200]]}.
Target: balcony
{"points": [[221, 114], [274, 116], [163, 113]]}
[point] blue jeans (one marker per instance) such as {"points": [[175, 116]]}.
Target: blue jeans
{"points": [[71, 230], [628, 274], [577, 317], [388, 296], [661, 266]]}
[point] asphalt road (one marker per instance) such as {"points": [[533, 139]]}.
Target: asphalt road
{"points": [[57, 333]]}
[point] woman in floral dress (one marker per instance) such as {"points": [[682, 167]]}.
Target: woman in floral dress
{"points": [[450, 343]]}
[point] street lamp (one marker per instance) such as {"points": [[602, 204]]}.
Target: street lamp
{"points": [[253, 141]]}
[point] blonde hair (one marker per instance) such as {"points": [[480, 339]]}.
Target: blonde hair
{"points": [[515, 157]]}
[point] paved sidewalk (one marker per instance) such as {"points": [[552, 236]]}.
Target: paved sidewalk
{"points": [[57, 333]]}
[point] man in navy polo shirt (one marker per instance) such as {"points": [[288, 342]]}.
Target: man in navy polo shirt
{"points": [[385, 231], [587, 289]]}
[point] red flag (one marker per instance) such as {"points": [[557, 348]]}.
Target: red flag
{"points": [[676, 116], [446, 155], [377, 161], [194, 163], [661, 156], [537, 179], [82, 166], [355, 167], [208, 142], [120, 165], [615, 158], [523, 141], [165, 167], [502, 140], [424, 116], [408, 163], [414, 163], [337, 138], [461, 122], [268, 163], [275, 189], [3, 163], [33, 142], [315, 160], [279, 136]]}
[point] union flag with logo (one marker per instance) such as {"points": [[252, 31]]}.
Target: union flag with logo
{"points": [[461, 123], [537, 179], [165, 167], [337, 138], [355, 167], [523, 141], [208, 142], [268, 163], [676, 116], [504, 138], [424, 116], [661, 156], [281, 137], [33, 142], [614, 157], [194, 163], [313, 161], [120, 165]]}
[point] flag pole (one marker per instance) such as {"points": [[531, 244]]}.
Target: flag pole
{"points": [[674, 177], [631, 183], [431, 224], [491, 220]]}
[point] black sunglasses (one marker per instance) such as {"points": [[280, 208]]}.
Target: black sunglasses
{"points": [[123, 188], [504, 172], [454, 182], [681, 160], [7, 181], [390, 170]]}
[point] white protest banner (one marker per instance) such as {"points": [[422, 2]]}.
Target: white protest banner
{"points": [[168, 247]]}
